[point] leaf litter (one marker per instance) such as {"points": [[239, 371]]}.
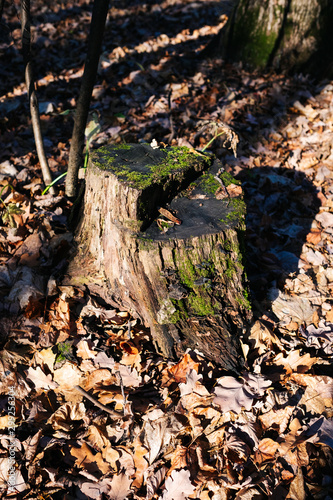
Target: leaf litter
{"points": [[187, 429]]}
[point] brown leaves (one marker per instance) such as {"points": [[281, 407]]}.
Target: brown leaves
{"points": [[178, 372], [86, 459], [258, 438]]}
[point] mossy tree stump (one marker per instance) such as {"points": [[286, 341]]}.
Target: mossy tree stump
{"points": [[183, 278]]}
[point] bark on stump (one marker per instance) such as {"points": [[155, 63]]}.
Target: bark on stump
{"points": [[184, 281]]}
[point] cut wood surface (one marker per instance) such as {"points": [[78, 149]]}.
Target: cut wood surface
{"points": [[159, 236]]}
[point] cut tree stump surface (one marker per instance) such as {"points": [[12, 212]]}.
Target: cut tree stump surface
{"points": [[179, 271]]}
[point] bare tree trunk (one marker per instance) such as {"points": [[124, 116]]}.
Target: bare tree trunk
{"points": [[288, 35], [33, 101], [100, 10]]}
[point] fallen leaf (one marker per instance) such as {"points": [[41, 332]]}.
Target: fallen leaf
{"points": [[267, 448], [86, 459], [68, 376], [298, 309], [277, 419], [263, 337], [295, 362], [41, 381], [62, 418], [325, 219], [178, 372], [232, 394], [119, 487], [178, 486]]}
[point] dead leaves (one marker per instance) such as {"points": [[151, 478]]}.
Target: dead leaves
{"points": [[233, 395], [189, 430]]}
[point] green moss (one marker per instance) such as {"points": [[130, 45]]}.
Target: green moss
{"points": [[146, 243], [231, 268], [209, 184], [187, 273], [244, 301], [239, 208], [175, 317], [174, 162], [238, 211], [200, 305], [252, 41], [228, 179]]}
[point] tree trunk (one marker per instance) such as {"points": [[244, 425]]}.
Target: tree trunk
{"points": [[179, 269], [282, 34]]}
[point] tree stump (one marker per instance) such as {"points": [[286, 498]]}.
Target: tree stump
{"points": [[178, 269]]}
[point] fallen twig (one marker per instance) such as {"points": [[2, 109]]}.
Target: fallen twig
{"points": [[114, 413]]}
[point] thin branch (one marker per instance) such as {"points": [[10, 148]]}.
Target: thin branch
{"points": [[100, 10], [2, 4], [86, 394], [33, 101]]}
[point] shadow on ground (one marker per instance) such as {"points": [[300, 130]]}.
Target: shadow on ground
{"points": [[281, 206]]}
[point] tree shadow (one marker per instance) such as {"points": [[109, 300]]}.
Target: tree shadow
{"points": [[281, 206]]}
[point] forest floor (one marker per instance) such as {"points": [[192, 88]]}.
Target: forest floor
{"points": [[186, 429]]}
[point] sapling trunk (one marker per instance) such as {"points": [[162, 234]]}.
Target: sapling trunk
{"points": [[100, 10], [33, 101]]}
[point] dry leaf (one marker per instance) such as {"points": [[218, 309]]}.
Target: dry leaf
{"points": [[178, 458], [295, 362], [178, 372], [277, 419], [193, 385], [84, 350], [63, 417], [41, 381], [233, 395], [86, 459], [99, 378], [169, 215], [263, 337], [267, 448], [119, 487], [68, 376], [141, 464], [178, 486]]}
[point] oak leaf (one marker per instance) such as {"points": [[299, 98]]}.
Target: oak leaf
{"points": [[41, 381], [86, 459], [178, 486]]}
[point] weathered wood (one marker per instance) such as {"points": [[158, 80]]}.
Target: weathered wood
{"points": [[187, 283]]}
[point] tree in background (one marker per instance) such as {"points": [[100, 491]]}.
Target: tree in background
{"points": [[287, 35]]}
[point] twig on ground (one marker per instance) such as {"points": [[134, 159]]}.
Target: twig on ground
{"points": [[114, 413]]}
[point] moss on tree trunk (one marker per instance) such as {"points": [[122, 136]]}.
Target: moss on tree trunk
{"points": [[283, 34]]}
